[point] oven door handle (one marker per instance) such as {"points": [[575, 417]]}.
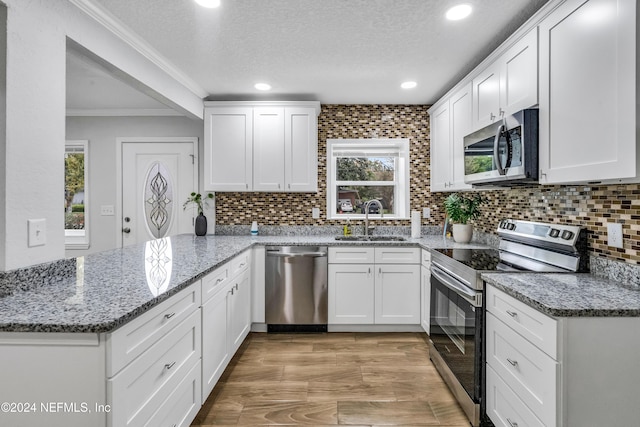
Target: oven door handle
{"points": [[458, 288]]}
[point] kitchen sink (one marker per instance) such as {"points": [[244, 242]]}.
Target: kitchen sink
{"points": [[372, 238]]}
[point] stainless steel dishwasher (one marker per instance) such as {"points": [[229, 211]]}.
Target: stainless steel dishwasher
{"points": [[296, 289]]}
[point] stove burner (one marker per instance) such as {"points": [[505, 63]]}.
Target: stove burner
{"points": [[478, 259]]}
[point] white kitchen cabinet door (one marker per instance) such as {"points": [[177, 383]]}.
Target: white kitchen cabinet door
{"points": [[460, 111], [440, 148], [450, 123], [240, 309], [268, 149], [216, 330], [397, 294], [588, 96], [486, 97], [351, 294], [425, 316], [508, 85], [519, 75], [301, 149], [228, 149]]}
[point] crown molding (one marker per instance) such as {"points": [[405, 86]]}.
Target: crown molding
{"points": [[115, 26], [123, 112]]}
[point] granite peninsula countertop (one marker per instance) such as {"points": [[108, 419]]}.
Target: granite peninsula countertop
{"points": [[110, 288], [570, 295]]}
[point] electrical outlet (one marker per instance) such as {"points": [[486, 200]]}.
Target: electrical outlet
{"points": [[37, 231], [426, 213], [614, 234], [315, 213]]}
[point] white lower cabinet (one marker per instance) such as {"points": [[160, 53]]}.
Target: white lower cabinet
{"points": [[559, 371], [425, 278], [139, 390], [351, 293], [226, 321], [374, 293]]}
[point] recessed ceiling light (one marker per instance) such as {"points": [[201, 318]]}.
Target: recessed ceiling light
{"points": [[458, 12], [262, 86], [209, 3], [408, 85]]}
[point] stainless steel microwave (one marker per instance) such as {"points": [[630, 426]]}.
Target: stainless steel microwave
{"points": [[504, 153]]}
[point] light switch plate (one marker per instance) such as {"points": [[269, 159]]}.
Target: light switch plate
{"points": [[614, 234], [426, 213], [315, 213], [107, 210], [37, 229]]}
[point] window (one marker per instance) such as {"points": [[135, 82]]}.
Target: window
{"points": [[359, 170], [76, 207]]}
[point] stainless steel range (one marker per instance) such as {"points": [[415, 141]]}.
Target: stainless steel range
{"points": [[457, 303]]}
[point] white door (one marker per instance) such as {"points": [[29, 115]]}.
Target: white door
{"points": [[157, 177], [351, 293], [397, 294]]}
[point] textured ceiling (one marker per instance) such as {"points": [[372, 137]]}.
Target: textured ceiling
{"points": [[333, 51]]}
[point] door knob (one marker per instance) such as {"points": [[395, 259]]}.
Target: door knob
{"points": [[126, 230]]}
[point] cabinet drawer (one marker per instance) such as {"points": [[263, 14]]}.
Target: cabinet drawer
{"points": [[138, 391], [426, 258], [214, 281], [397, 255], [528, 371], [183, 403], [503, 406], [240, 263], [351, 255], [133, 338], [538, 328]]}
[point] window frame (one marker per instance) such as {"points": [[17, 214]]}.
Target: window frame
{"points": [[402, 190], [79, 239]]}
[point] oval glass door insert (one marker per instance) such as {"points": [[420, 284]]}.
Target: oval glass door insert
{"points": [[158, 200]]}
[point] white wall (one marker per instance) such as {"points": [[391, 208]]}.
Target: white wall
{"points": [[37, 32], [101, 132]]}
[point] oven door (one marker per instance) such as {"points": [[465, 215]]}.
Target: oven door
{"points": [[456, 329]]}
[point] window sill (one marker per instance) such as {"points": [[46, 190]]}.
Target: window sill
{"points": [[362, 216]]}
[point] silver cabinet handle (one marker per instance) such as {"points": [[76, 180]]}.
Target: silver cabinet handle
{"points": [[289, 186], [512, 423], [236, 286], [492, 116], [169, 315], [241, 265], [219, 280], [232, 291], [126, 230], [512, 362], [169, 365], [512, 313]]}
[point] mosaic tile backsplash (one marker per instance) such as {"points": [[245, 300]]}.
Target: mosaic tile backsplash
{"points": [[588, 206]]}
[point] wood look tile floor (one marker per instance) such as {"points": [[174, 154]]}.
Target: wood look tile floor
{"points": [[355, 379]]}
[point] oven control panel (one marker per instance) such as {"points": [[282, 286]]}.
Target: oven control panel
{"points": [[553, 233]]}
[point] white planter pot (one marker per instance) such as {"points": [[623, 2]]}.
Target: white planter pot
{"points": [[462, 233]]}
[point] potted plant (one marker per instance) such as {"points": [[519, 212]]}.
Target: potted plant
{"points": [[201, 220], [460, 209]]}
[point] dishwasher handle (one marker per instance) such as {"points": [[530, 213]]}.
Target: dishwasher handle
{"points": [[296, 254]]}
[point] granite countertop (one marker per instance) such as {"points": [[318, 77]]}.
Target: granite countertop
{"points": [[570, 295], [108, 289]]}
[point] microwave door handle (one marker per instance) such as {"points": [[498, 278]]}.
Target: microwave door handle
{"points": [[496, 146]]}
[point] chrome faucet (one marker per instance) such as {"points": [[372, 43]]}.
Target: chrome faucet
{"points": [[366, 214]]}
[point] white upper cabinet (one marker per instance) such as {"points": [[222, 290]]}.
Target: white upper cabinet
{"points": [[301, 149], [588, 93], [228, 163], [450, 122], [273, 148], [507, 85], [268, 149]]}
